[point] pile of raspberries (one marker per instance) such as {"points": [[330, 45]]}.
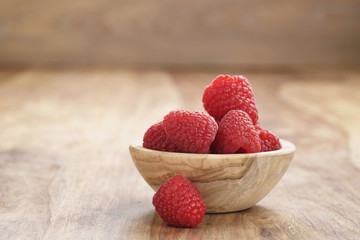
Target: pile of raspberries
{"points": [[229, 126]]}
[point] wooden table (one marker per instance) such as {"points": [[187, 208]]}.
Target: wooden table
{"points": [[66, 173]]}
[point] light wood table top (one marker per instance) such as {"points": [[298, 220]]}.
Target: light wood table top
{"points": [[66, 171]]}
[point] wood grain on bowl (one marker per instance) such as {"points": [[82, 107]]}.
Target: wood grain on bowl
{"points": [[228, 182]]}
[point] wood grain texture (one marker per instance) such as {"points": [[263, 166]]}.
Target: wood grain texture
{"points": [[178, 33], [66, 172]]}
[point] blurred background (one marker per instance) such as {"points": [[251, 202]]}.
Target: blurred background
{"points": [[180, 34]]}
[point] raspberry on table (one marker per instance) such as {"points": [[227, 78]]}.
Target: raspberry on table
{"points": [[191, 131], [236, 134], [269, 141], [155, 138], [179, 202], [227, 93]]}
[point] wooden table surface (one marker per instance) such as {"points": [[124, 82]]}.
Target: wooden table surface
{"points": [[66, 172]]}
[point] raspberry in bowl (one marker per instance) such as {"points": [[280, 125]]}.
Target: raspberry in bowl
{"points": [[232, 160]]}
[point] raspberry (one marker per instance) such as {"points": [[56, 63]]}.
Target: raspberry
{"points": [[191, 131], [269, 141], [236, 134], [155, 138], [227, 93], [179, 202]]}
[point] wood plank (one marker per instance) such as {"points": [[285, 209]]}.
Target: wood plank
{"points": [[184, 33], [66, 173]]}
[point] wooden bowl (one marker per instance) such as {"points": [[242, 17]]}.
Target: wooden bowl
{"points": [[227, 182]]}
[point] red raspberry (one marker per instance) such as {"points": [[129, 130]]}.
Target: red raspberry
{"points": [[191, 131], [236, 134], [155, 138], [179, 202], [227, 93], [269, 141]]}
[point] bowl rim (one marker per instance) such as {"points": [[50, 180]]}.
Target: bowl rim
{"points": [[287, 147]]}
